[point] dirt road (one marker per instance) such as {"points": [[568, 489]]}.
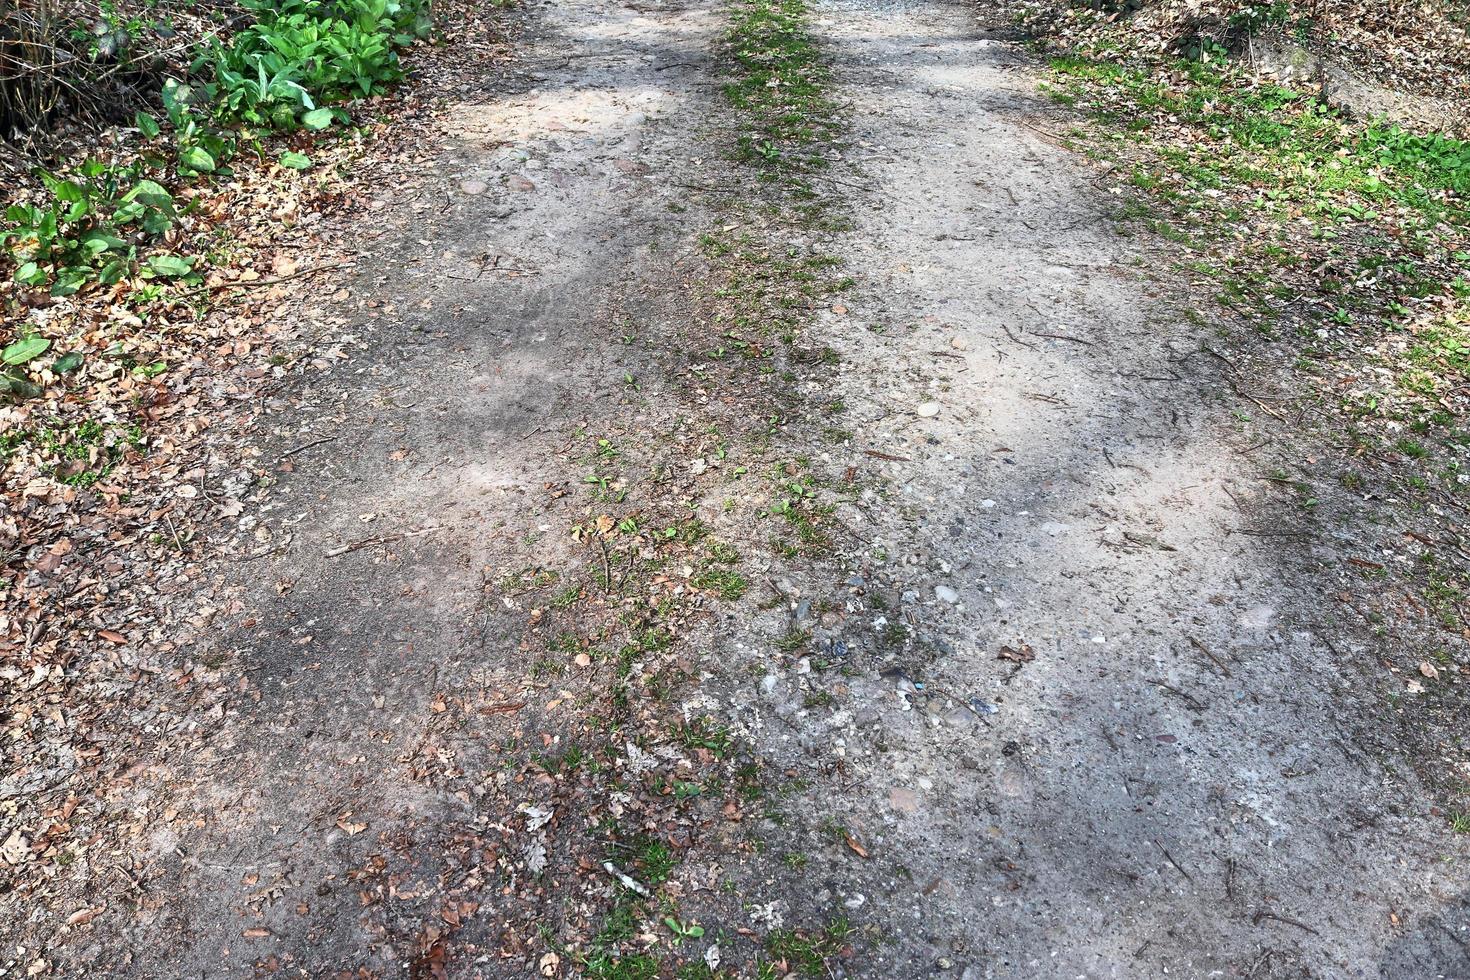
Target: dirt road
{"points": [[939, 623]]}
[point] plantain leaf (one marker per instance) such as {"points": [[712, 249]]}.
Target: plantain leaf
{"points": [[25, 349]]}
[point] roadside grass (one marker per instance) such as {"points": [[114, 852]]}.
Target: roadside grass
{"points": [[767, 275], [1343, 243]]}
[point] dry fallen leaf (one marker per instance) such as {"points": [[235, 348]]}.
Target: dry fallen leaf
{"points": [[349, 826], [82, 916], [857, 848], [1021, 656]]}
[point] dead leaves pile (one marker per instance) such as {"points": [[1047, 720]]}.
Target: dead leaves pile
{"points": [[124, 477], [1418, 46]]}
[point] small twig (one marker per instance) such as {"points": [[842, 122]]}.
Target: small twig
{"points": [[607, 579], [1206, 651], [880, 455], [1269, 534], [174, 531], [131, 880], [263, 282], [1043, 132], [1193, 701], [1015, 338], [299, 449], [1062, 336], [382, 539], [1265, 914], [1170, 857], [1228, 362]]}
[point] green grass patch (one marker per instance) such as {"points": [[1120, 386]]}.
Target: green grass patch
{"points": [[781, 86]]}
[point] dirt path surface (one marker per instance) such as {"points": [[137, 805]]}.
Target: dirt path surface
{"points": [[600, 629], [1180, 775]]}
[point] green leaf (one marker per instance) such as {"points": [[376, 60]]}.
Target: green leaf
{"points": [[156, 222], [67, 363], [146, 124], [152, 194], [169, 265], [30, 274], [112, 272], [177, 95], [25, 349], [71, 279], [197, 158], [97, 241], [69, 191], [295, 161], [317, 119], [18, 388]]}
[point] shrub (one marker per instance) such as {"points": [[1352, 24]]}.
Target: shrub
{"points": [[304, 52], [89, 229]]}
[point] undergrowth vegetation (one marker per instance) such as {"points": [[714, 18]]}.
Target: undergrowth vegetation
{"points": [[1347, 239], [93, 220], [121, 220]]}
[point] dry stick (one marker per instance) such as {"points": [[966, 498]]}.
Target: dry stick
{"points": [[880, 455], [264, 282], [709, 190], [1258, 403], [1193, 701], [625, 880], [382, 539], [174, 531], [1264, 914], [1015, 338], [1177, 868], [1269, 534], [299, 449], [1062, 336], [1038, 129], [607, 581], [1206, 651]]}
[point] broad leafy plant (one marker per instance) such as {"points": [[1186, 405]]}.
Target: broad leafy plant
{"points": [[89, 228]]}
